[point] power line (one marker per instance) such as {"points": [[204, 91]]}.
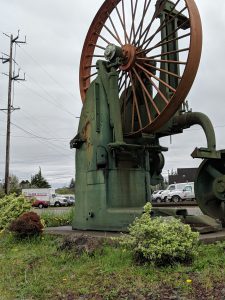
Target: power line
{"points": [[42, 139], [60, 106], [30, 137], [38, 125], [39, 137], [53, 98], [48, 100], [50, 76]]}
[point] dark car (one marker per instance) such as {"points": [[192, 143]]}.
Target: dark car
{"points": [[40, 204]]}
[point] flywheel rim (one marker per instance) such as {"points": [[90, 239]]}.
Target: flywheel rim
{"points": [[179, 94]]}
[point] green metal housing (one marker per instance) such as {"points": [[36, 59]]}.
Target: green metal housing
{"points": [[114, 172], [113, 176]]}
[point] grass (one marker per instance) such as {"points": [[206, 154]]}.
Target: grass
{"points": [[35, 269], [52, 219]]}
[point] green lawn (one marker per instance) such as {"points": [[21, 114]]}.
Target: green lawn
{"points": [[35, 269]]}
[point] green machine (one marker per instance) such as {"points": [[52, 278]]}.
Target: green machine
{"points": [[139, 61]]}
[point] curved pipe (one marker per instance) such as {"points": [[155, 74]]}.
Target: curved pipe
{"points": [[189, 119]]}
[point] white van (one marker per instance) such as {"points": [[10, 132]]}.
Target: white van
{"points": [[170, 188], [187, 193]]}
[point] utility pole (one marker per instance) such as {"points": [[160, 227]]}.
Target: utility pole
{"points": [[10, 108]]}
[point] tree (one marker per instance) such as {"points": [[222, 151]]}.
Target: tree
{"points": [[25, 184], [14, 186], [72, 184], [39, 181]]}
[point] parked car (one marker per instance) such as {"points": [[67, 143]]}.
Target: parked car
{"points": [[156, 196], [170, 188], [40, 204], [59, 200], [70, 199], [187, 193]]}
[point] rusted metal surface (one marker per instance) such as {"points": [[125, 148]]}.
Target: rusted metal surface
{"points": [[129, 52], [148, 63]]}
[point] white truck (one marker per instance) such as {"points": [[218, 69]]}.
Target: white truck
{"points": [[187, 193], [170, 188], [47, 195]]}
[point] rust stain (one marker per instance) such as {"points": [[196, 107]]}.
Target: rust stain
{"points": [[87, 135]]}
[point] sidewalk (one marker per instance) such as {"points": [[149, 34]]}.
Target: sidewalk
{"points": [[206, 238]]}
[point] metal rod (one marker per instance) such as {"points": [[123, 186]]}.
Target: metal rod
{"points": [[116, 32], [162, 26], [151, 22], [163, 43], [147, 92], [98, 46], [158, 79], [157, 89], [163, 71], [146, 105], [102, 37], [123, 25], [135, 99], [163, 60], [170, 52], [112, 34], [143, 17], [89, 76], [133, 12]]}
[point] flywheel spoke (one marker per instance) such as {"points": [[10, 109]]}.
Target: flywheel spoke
{"points": [[161, 27], [161, 44]]}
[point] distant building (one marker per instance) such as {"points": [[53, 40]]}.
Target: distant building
{"points": [[183, 175]]}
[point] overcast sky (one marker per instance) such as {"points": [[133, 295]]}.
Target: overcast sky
{"points": [[50, 102]]}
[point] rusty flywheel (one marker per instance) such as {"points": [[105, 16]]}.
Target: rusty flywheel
{"points": [[162, 41]]}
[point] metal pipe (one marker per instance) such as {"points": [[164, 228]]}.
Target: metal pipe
{"points": [[189, 119]]}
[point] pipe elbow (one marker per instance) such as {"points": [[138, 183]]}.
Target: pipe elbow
{"points": [[189, 119]]}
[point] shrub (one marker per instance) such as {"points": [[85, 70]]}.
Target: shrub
{"points": [[161, 241], [11, 207], [28, 224]]}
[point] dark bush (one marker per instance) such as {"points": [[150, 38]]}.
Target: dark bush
{"points": [[28, 224]]}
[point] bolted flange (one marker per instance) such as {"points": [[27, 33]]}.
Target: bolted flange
{"points": [[129, 54]]}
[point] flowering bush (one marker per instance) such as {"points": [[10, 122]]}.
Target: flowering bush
{"points": [[28, 224], [160, 240], [11, 207]]}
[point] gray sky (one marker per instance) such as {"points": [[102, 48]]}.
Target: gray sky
{"points": [[50, 98]]}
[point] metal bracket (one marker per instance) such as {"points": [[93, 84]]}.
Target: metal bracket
{"points": [[77, 142], [206, 153]]}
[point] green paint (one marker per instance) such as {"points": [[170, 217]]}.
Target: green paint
{"points": [[114, 172], [112, 176]]}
